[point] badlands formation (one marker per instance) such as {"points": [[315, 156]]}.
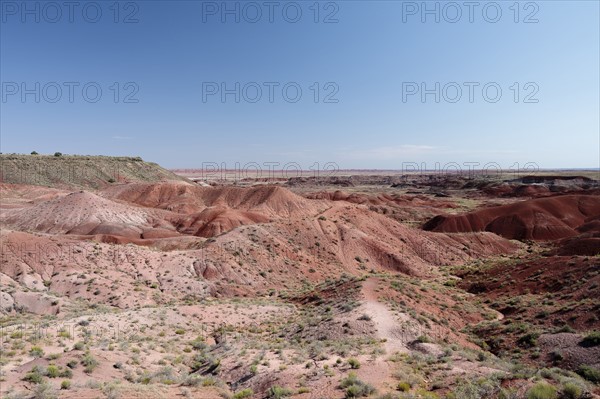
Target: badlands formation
{"points": [[144, 283]]}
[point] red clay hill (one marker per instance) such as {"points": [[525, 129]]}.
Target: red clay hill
{"points": [[547, 218]]}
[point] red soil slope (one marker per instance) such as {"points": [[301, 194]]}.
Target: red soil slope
{"points": [[217, 220], [88, 214], [270, 201], [538, 219], [138, 211]]}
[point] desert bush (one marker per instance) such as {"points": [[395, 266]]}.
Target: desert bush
{"points": [[354, 391], [206, 363], [111, 391], [423, 339], [571, 391], [191, 380], [78, 346], [589, 373], [66, 384], [542, 390], [279, 392], [407, 376], [592, 339], [477, 389], [244, 393], [403, 386], [89, 363], [66, 373], [36, 352], [164, 376], [354, 363], [44, 391], [52, 371], [209, 382], [34, 376], [528, 340], [355, 388]]}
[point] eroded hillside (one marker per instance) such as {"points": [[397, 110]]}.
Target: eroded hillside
{"points": [[159, 289]]}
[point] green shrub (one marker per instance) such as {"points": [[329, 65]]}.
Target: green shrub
{"points": [[542, 390], [355, 388], [244, 393], [403, 387], [89, 362], [479, 388], [191, 380], [52, 371], [354, 363], [209, 382], [36, 352], [279, 392], [589, 373], [66, 384], [423, 339], [206, 362], [350, 380], [354, 391], [78, 346], [528, 340], [66, 373], [63, 334], [592, 339], [34, 376], [571, 391], [44, 391]]}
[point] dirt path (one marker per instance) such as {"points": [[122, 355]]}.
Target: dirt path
{"points": [[388, 328], [386, 322]]}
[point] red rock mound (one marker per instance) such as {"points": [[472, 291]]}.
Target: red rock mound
{"points": [[270, 201], [217, 220], [146, 211], [173, 196], [85, 213], [585, 244], [538, 219]]}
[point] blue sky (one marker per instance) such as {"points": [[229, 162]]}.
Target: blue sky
{"points": [[370, 58]]}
